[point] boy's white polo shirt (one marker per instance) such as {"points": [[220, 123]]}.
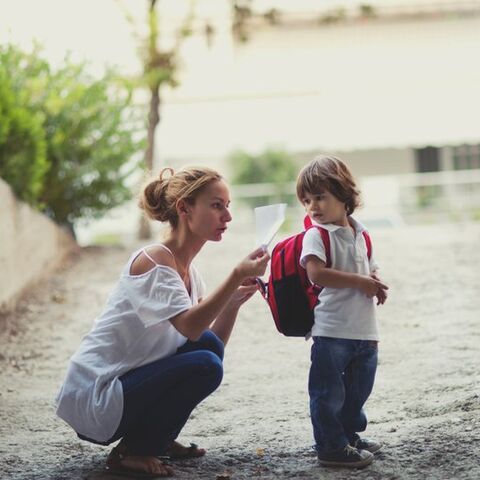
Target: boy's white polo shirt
{"points": [[343, 312]]}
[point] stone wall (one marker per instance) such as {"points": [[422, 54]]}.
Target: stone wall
{"points": [[31, 247]]}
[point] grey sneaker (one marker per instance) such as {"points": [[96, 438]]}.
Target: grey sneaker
{"points": [[366, 444], [348, 457]]}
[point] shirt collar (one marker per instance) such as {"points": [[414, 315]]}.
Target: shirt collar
{"points": [[359, 228]]}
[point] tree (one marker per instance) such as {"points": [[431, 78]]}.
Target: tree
{"points": [[160, 68], [94, 140], [23, 160], [91, 133], [242, 13]]}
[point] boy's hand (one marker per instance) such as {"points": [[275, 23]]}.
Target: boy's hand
{"points": [[381, 292], [381, 296], [370, 285]]}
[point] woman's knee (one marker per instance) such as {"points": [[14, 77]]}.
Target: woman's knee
{"points": [[212, 365], [210, 341]]}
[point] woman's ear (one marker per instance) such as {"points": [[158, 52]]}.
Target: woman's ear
{"points": [[182, 208]]}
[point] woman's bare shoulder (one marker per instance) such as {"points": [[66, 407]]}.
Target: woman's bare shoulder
{"points": [[158, 254]]}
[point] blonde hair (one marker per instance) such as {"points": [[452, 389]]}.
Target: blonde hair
{"points": [[329, 173], [161, 195]]}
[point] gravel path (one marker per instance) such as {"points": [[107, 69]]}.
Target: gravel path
{"points": [[425, 406]]}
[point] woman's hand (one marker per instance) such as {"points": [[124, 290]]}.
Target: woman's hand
{"points": [[192, 322], [244, 292], [254, 265]]}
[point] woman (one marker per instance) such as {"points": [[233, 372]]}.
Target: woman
{"points": [[156, 350]]}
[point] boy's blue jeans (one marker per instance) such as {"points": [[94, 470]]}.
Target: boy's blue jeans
{"points": [[341, 379], [159, 397]]}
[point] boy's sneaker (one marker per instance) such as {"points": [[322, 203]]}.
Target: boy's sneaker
{"points": [[348, 457], [366, 444]]}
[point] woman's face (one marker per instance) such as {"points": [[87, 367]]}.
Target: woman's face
{"points": [[209, 215]]}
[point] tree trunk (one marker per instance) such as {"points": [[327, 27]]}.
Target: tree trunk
{"points": [[144, 230]]}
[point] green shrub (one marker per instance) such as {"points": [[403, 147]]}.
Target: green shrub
{"points": [[271, 166], [23, 161], [92, 146], [93, 136]]}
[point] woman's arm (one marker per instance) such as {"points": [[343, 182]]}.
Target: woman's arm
{"points": [[223, 324], [193, 322], [328, 277]]}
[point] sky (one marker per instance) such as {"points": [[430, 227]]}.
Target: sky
{"points": [[342, 87]]}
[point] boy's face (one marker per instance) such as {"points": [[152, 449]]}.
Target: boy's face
{"points": [[323, 207]]}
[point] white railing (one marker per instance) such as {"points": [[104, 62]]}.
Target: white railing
{"points": [[390, 198], [450, 177], [447, 177]]}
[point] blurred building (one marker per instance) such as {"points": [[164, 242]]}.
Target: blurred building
{"points": [[397, 96], [383, 89], [416, 184], [397, 161]]}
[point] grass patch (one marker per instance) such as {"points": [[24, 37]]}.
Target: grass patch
{"points": [[107, 240]]}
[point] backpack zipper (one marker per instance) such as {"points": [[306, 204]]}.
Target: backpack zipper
{"points": [[282, 258]]}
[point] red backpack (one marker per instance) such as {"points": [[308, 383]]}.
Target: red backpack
{"points": [[289, 293]]}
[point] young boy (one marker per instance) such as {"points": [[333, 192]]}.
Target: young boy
{"points": [[345, 336]]}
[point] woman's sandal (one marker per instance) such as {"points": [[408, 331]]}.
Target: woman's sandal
{"points": [[115, 466], [177, 451]]}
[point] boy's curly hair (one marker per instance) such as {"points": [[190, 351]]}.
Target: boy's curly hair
{"points": [[327, 172]]}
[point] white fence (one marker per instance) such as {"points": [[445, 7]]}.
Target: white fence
{"points": [[393, 199], [389, 200]]}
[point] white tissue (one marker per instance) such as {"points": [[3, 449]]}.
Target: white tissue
{"points": [[268, 220]]}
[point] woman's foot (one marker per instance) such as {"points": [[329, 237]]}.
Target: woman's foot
{"points": [[178, 451], [120, 461]]}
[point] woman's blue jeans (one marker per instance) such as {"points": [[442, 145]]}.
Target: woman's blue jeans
{"points": [[159, 397], [341, 379]]}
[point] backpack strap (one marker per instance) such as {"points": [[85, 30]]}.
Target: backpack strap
{"points": [[307, 222], [368, 242], [326, 243]]}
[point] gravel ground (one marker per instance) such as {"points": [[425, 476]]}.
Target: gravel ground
{"points": [[425, 406]]}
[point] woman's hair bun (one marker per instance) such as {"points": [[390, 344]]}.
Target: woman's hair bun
{"points": [[160, 196], [153, 200], [164, 171]]}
